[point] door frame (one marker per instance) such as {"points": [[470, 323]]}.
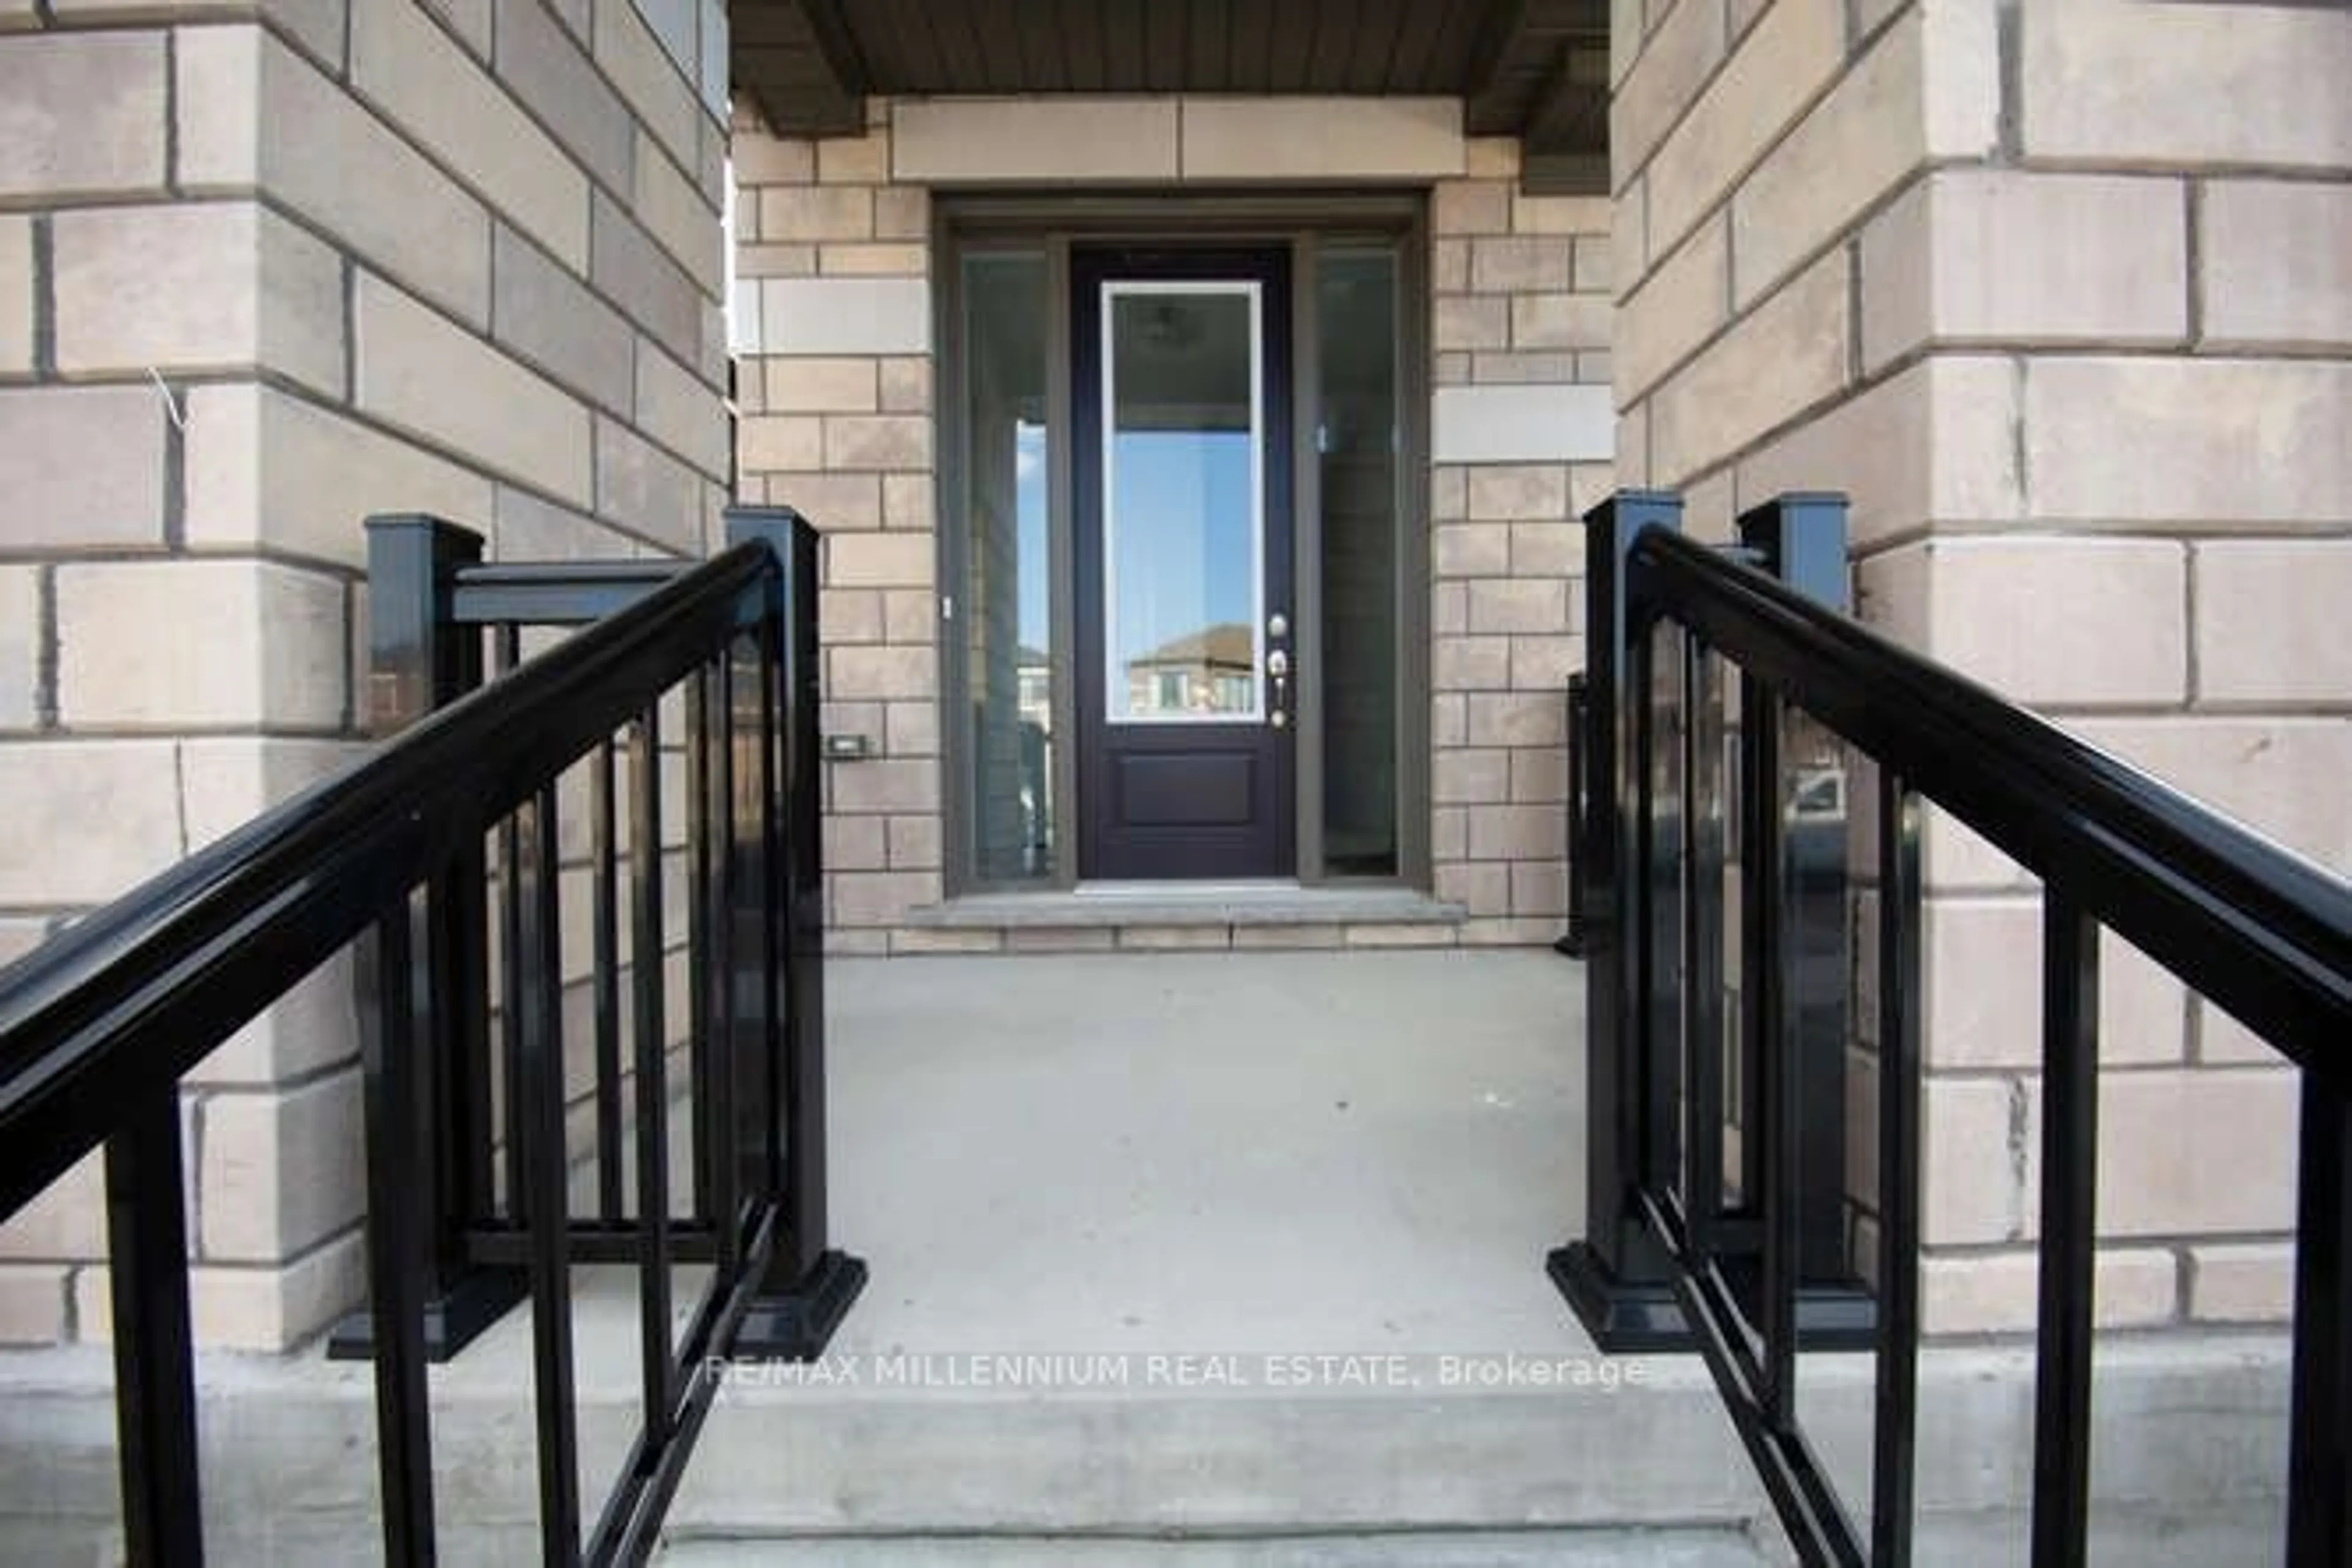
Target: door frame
{"points": [[1302, 221]]}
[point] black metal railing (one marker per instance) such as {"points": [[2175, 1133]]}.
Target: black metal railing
{"points": [[469, 1160], [1725, 701]]}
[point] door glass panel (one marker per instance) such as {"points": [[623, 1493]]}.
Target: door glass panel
{"points": [[1356, 292], [1007, 628], [1182, 583]]}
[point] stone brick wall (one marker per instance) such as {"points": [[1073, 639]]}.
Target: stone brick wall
{"points": [[833, 312], [262, 273], [2074, 333]]}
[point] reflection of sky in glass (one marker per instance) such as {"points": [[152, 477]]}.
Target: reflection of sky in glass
{"points": [[1029, 500], [1181, 500]]}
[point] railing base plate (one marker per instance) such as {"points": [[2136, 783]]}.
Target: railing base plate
{"points": [[797, 1326], [451, 1322], [1633, 1318]]}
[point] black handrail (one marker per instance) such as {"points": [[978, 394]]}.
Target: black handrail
{"points": [[98, 1028], [2261, 932]]}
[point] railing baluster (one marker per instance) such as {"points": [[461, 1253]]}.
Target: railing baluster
{"points": [[539, 1003], [1900, 996], [1703, 942], [650, 1026], [154, 1363], [720, 1063], [2070, 1135], [506, 642], [605, 982], [1641, 934], [399, 1132], [1764, 989], [700, 934], [2319, 1469]]}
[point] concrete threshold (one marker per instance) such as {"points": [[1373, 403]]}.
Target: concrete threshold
{"points": [[1271, 903]]}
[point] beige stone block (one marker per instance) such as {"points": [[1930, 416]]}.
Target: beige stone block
{"points": [[1481, 887], [909, 614], [1585, 216], [902, 211], [1968, 1024], [2109, 79], [837, 260], [855, 160], [883, 898], [2163, 1135], [1545, 663], [1934, 444], [196, 286], [907, 385], [1518, 605], [1471, 664], [890, 560], [1449, 717], [1286, 938], [821, 385], [775, 261], [1539, 889], [1059, 938], [858, 943], [54, 790], [923, 940], [254, 113], [1997, 256], [1385, 138], [909, 501], [912, 729], [1560, 322], [671, 206], [2272, 264], [761, 159], [802, 214], [2269, 620], [1549, 548], [2253, 1283], [1474, 550], [1540, 365], [1538, 777], [82, 114], [1673, 310], [1432, 934], [421, 373], [1510, 493], [1979, 1159], [677, 408], [1449, 608], [1449, 267], [16, 293], [835, 504], [1175, 939], [1999, 1293], [1467, 777], [856, 844], [1856, 145], [1517, 718], [268, 469], [1449, 832], [2241, 442], [1523, 265], [2222, 1040], [1629, 236], [2068, 621], [1517, 832], [1796, 49], [544, 313], [1522, 425], [33, 1300], [167, 644], [649, 79], [888, 672], [1786, 353], [1470, 322], [1663, 72], [1461, 207], [266, 1310], [2278, 775], [954, 141], [650, 493], [779, 441], [877, 441], [277, 1171], [849, 616], [630, 268], [846, 315], [23, 633], [66, 1220], [419, 79], [543, 59], [914, 843]]}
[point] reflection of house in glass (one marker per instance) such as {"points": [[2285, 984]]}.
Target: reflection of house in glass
{"points": [[1201, 672]]}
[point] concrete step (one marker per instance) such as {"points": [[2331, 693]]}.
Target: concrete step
{"points": [[1663, 1548]]}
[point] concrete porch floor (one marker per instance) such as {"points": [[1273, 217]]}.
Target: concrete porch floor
{"points": [[1360, 1153]]}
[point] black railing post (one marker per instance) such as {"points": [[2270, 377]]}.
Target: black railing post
{"points": [[420, 661], [154, 1360], [1616, 1278], [1800, 539], [1571, 941], [811, 1284]]}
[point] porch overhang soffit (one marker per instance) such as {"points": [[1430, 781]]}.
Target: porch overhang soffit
{"points": [[1537, 69]]}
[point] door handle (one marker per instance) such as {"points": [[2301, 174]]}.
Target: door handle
{"points": [[1278, 664]]}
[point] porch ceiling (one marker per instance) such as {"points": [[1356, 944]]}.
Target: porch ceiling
{"points": [[1537, 70]]}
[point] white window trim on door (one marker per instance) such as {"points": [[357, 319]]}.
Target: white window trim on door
{"points": [[1114, 676]]}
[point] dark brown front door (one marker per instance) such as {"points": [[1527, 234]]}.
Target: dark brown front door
{"points": [[1186, 680]]}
